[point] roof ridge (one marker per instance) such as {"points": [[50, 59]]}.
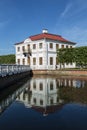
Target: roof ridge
{"points": [[54, 34]]}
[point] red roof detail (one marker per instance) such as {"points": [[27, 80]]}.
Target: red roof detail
{"points": [[48, 36], [48, 109]]}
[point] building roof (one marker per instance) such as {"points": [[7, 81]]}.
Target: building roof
{"points": [[48, 109], [48, 36]]}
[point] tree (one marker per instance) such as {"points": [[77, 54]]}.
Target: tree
{"points": [[76, 55], [7, 59]]}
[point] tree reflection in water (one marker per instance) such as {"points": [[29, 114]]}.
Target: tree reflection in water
{"points": [[47, 94]]}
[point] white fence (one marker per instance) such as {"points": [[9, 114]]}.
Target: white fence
{"points": [[13, 69]]}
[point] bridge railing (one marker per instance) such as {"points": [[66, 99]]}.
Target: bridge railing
{"points": [[13, 69]]}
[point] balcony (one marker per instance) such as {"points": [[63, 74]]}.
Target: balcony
{"points": [[27, 53]]}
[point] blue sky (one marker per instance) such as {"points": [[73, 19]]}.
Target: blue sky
{"points": [[20, 19]]}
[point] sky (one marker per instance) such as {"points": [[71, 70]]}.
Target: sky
{"points": [[20, 19]]}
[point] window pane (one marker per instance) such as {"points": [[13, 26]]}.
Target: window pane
{"points": [[62, 46], [40, 45], [34, 46], [18, 61], [51, 60], [34, 100], [40, 61], [34, 61], [57, 46], [41, 102], [34, 85], [23, 61], [18, 49], [51, 45], [57, 61], [51, 86], [67, 46], [41, 86], [23, 48]]}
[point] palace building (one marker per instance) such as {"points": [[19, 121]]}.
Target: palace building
{"points": [[40, 51]]}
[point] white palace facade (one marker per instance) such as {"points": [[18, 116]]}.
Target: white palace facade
{"points": [[40, 51]]}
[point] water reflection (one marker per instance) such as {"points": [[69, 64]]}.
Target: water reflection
{"points": [[45, 103], [47, 95], [8, 96]]}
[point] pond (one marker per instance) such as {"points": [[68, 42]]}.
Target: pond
{"points": [[45, 102]]}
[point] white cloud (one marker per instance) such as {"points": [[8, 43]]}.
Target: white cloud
{"points": [[66, 10]]}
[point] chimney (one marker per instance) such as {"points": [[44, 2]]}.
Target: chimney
{"points": [[44, 31]]}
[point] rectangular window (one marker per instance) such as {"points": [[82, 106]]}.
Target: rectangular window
{"points": [[51, 45], [28, 60], [40, 45], [34, 100], [62, 46], [70, 46], [18, 49], [51, 101], [41, 86], [18, 61], [23, 48], [23, 61], [51, 86], [28, 47], [51, 60], [34, 46], [67, 46], [34, 85], [34, 61], [57, 61], [40, 61], [41, 102], [57, 46]]}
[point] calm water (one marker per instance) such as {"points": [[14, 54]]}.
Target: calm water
{"points": [[45, 103]]}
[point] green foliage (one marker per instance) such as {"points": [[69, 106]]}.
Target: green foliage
{"points": [[7, 59], [69, 55]]}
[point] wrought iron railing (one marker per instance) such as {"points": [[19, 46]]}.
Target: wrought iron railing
{"points": [[27, 53]]}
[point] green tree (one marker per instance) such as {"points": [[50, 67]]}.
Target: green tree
{"points": [[70, 55], [7, 59]]}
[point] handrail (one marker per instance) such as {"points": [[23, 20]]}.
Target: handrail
{"points": [[13, 69]]}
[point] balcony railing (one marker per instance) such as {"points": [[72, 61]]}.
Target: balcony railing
{"points": [[27, 53]]}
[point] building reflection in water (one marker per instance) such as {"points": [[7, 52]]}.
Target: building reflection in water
{"points": [[47, 95], [44, 95]]}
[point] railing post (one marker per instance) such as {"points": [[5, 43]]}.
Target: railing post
{"points": [[7, 69], [0, 70]]}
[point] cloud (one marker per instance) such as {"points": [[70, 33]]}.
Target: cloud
{"points": [[66, 10]]}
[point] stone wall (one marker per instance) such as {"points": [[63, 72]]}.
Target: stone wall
{"points": [[61, 72]]}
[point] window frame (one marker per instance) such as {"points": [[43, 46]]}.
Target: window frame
{"points": [[51, 45], [40, 45], [40, 60], [51, 60]]}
